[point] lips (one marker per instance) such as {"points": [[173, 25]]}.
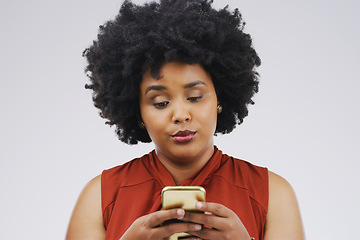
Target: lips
{"points": [[184, 136]]}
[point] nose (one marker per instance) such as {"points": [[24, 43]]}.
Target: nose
{"points": [[181, 113]]}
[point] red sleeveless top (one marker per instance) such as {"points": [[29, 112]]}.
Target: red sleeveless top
{"points": [[134, 189]]}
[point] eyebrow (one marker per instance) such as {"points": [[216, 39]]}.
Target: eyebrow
{"points": [[193, 84], [155, 87], [161, 87]]}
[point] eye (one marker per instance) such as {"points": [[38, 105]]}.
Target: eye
{"points": [[161, 105], [195, 99]]}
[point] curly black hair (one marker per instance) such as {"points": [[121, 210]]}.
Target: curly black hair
{"points": [[144, 37]]}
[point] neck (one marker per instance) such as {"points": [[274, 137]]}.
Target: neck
{"points": [[180, 169]]}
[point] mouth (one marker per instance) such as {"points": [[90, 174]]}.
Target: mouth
{"points": [[183, 136]]}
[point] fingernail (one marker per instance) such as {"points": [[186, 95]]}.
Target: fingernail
{"points": [[197, 226], [199, 205], [180, 213]]}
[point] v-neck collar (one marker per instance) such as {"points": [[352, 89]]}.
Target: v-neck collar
{"points": [[165, 179]]}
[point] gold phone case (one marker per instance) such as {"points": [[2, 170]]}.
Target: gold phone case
{"points": [[184, 197]]}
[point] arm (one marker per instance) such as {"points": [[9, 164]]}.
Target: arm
{"points": [[86, 222], [283, 220]]}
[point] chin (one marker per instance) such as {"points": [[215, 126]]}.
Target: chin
{"points": [[189, 151]]}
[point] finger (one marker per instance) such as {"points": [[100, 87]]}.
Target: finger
{"points": [[168, 230], [207, 233], [214, 208], [157, 218], [212, 221]]}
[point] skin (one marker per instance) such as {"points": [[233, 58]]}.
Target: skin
{"points": [[184, 98], [186, 101]]}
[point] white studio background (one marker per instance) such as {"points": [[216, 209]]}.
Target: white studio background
{"points": [[304, 125]]}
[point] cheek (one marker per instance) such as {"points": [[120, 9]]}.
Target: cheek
{"points": [[154, 121], [208, 115], [152, 117]]}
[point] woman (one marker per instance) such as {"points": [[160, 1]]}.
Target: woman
{"points": [[176, 73]]}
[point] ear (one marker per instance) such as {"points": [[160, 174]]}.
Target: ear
{"points": [[141, 123], [138, 116]]}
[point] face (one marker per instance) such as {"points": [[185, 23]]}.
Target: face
{"points": [[179, 111]]}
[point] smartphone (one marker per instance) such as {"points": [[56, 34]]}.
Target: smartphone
{"points": [[184, 197]]}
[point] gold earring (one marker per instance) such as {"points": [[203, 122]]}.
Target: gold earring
{"points": [[219, 108], [141, 124]]}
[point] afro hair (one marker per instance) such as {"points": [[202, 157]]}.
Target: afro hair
{"points": [[143, 37]]}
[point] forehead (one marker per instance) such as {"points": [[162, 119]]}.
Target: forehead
{"points": [[177, 74]]}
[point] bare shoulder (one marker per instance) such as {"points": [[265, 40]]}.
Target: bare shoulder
{"points": [[86, 221], [283, 219], [278, 185]]}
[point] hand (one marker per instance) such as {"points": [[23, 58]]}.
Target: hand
{"points": [[148, 227], [221, 222]]}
